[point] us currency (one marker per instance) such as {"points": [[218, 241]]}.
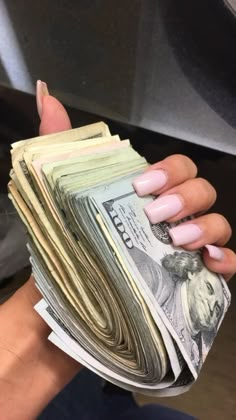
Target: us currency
{"points": [[24, 182], [65, 285], [83, 133], [30, 208], [20, 169], [62, 338], [111, 307], [116, 276], [66, 340], [164, 272], [164, 288], [111, 273]]}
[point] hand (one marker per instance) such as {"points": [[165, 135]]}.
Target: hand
{"points": [[181, 194]]}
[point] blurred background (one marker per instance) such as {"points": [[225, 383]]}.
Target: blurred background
{"points": [[161, 73]]}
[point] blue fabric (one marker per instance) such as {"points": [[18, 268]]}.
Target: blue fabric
{"points": [[86, 399]]}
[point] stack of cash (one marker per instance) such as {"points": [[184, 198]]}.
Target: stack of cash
{"points": [[118, 297]]}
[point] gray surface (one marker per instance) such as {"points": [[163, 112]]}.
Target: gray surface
{"points": [[114, 59]]}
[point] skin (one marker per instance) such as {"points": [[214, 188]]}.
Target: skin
{"points": [[205, 299], [32, 366]]}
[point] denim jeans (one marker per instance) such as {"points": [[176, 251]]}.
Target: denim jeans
{"points": [[86, 398]]}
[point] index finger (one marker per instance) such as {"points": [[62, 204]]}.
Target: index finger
{"points": [[166, 174]]}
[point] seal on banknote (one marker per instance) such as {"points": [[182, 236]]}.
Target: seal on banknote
{"points": [[161, 232]]}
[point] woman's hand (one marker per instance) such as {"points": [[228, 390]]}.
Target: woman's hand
{"points": [[181, 194]]}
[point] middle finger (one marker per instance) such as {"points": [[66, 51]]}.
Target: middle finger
{"points": [[191, 197]]}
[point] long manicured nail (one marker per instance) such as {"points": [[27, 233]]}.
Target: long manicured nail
{"points": [[163, 208], [41, 91], [150, 181], [185, 234], [215, 252]]}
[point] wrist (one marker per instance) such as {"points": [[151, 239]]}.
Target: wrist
{"points": [[29, 364]]}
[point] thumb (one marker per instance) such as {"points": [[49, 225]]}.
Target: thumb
{"points": [[54, 117]]}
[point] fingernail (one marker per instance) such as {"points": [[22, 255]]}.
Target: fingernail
{"points": [[41, 91], [163, 208], [185, 234], [215, 252], [150, 181]]}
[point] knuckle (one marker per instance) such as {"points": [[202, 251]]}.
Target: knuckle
{"points": [[233, 261], [231, 256], [206, 191], [221, 222], [185, 162], [229, 263]]}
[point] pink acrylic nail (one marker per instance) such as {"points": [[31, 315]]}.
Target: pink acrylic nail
{"points": [[163, 208], [185, 234], [150, 181], [215, 252], [41, 91]]}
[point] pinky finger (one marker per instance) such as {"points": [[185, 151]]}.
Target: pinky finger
{"points": [[220, 260]]}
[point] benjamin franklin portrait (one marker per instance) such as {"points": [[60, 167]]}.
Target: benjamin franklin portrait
{"points": [[190, 295]]}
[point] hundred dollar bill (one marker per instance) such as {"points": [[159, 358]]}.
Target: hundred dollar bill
{"points": [[190, 299]]}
